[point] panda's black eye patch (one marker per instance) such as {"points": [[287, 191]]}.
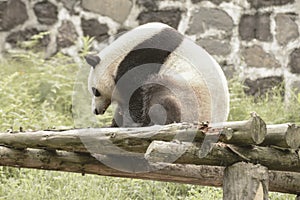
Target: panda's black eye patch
{"points": [[96, 92]]}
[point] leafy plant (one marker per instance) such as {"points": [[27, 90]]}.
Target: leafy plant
{"points": [[87, 44], [34, 41]]}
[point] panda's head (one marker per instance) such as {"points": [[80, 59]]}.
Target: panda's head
{"points": [[100, 85], [106, 67]]}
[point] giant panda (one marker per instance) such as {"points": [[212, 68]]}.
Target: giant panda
{"points": [[157, 76]]}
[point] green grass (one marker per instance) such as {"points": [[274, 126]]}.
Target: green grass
{"points": [[271, 107], [37, 184], [36, 94]]}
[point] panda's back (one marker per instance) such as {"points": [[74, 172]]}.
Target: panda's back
{"points": [[150, 53], [158, 50]]}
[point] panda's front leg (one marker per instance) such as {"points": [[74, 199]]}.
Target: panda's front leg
{"points": [[117, 120], [123, 118]]}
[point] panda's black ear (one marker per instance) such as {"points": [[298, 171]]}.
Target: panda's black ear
{"points": [[92, 60]]}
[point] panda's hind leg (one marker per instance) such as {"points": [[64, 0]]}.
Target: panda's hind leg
{"points": [[160, 105], [164, 110]]}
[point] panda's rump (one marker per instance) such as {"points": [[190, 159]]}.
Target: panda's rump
{"points": [[174, 100], [190, 87]]}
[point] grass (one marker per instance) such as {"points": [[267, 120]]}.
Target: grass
{"points": [[36, 94], [271, 107]]}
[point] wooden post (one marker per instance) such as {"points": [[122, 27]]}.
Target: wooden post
{"points": [[245, 181]]}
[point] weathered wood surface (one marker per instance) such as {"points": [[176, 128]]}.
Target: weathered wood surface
{"points": [[287, 182], [245, 181], [130, 139], [283, 135], [252, 131], [137, 140], [224, 155]]}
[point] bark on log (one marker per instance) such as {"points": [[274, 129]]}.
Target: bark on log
{"points": [[223, 155], [252, 131], [137, 140], [245, 181], [283, 135], [286, 182], [102, 140]]}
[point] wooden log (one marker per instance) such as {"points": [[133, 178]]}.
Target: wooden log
{"points": [[245, 181], [283, 135], [124, 140], [223, 155], [286, 182], [252, 131], [102, 140]]}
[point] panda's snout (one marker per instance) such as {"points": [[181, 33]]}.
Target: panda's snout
{"points": [[97, 112], [99, 107]]}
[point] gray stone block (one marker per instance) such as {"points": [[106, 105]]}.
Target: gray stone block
{"points": [[255, 26], [267, 3], [261, 86], [213, 1], [215, 46], [118, 10], [255, 56], [263, 30], [148, 4], [93, 28], [286, 28], [229, 70], [45, 12], [247, 27], [67, 34], [171, 17], [15, 38], [294, 64], [206, 18], [69, 4], [12, 13]]}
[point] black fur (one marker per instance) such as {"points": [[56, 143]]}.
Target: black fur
{"points": [[161, 90], [157, 94], [150, 55], [96, 92], [92, 60], [156, 90], [154, 50]]}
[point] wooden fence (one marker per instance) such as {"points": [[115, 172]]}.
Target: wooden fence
{"points": [[246, 158]]}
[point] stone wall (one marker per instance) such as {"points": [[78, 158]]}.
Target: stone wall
{"points": [[256, 39]]}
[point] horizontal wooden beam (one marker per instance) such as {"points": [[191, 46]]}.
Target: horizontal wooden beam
{"points": [[221, 154], [137, 140], [286, 182]]}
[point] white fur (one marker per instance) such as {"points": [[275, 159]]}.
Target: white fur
{"points": [[203, 73], [112, 56], [188, 61]]}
